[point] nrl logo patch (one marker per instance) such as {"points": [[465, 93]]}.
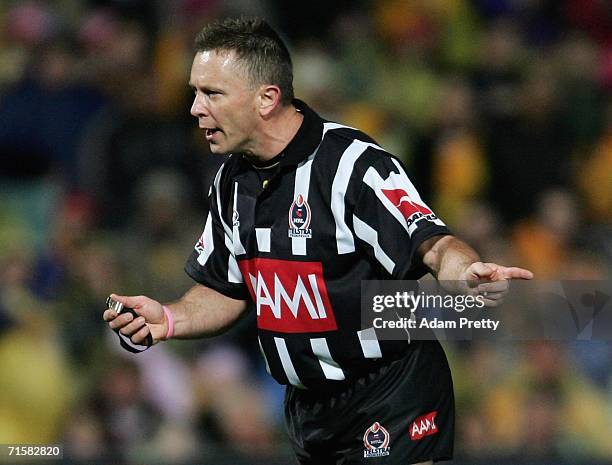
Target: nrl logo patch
{"points": [[376, 441], [299, 218]]}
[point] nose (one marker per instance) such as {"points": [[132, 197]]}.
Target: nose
{"points": [[198, 108]]}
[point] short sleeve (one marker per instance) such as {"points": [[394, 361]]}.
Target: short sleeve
{"points": [[213, 262], [391, 220]]}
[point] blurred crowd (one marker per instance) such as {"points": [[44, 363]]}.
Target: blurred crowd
{"points": [[500, 109]]}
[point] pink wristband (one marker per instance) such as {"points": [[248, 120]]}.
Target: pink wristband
{"points": [[170, 319]]}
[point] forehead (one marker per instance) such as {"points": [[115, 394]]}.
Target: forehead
{"points": [[212, 64]]}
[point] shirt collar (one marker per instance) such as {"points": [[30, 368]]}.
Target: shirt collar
{"points": [[306, 140]]}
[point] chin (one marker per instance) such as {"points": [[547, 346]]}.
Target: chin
{"points": [[217, 150]]}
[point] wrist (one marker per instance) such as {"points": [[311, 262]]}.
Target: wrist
{"points": [[170, 321]]}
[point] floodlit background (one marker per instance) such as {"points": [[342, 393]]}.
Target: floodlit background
{"points": [[500, 109]]}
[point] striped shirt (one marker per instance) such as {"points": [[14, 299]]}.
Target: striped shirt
{"points": [[338, 209]]}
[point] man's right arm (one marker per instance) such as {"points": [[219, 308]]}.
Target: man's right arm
{"points": [[201, 312]]}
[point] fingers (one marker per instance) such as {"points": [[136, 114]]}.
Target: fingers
{"points": [[493, 293], [133, 327], [492, 300], [136, 329], [128, 301], [509, 272], [481, 270], [493, 287], [120, 321], [516, 273], [130, 322], [140, 336]]}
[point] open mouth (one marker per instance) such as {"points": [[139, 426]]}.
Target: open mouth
{"points": [[210, 132]]}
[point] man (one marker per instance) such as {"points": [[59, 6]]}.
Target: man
{"points": [[301, 212]]}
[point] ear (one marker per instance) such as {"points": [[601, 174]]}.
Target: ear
{"points": [[268, 99]]}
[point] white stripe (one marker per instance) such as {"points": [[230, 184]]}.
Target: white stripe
{"points": [[209, 245], [286, 362], [238, 247], [233, 271], [263, 354], [331, 369], [263, 239], [226, 228], [344, 238], [229, 243], [312, 279], [302, 184], [369, 343], [368, 234], [329, 126]]}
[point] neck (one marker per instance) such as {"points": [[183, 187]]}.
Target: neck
{"points": [[275, 133]]}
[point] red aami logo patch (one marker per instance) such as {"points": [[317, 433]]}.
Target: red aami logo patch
{"points": [[423, 426], [401, 200], [291, 297]]}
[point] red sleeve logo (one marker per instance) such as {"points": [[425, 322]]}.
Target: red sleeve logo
{"points": [[401, 200], [423, 426]]}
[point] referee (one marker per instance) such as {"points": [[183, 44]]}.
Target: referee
{"points": [[301, 212]]}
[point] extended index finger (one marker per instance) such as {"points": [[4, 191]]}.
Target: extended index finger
{"points": [[514, 272]]}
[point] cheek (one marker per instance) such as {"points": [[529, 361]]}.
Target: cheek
{"points": [[247, 118], [221, 115], [236, 119]]}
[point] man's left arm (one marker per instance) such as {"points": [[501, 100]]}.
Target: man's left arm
{"points": [[460, 269]]}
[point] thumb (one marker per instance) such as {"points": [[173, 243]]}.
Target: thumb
{"points": [[480, 270], [129, 301]]}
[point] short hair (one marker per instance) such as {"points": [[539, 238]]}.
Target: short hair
{"points": [[258, 46]]}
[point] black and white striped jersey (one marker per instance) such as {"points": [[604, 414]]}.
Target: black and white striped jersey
{"points": [[339, 209]]}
